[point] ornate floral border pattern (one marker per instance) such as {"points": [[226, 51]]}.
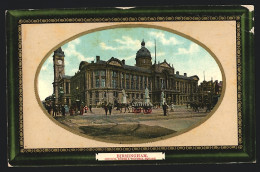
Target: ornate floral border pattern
{"points": [[135, 19]]}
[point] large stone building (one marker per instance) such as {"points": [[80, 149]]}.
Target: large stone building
{"points": [[209, 91], [100, 81]]}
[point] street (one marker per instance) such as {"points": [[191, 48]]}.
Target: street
{"points": [[123, 127]]}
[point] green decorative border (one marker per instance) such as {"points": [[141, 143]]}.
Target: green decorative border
{"points": [[244, 151]]}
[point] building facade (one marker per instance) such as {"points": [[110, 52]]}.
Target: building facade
{"points": [[103, 81]]}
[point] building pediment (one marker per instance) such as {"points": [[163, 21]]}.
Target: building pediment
{"points": [[196, 78], [82, 64], [165, 64], [115, 62]]}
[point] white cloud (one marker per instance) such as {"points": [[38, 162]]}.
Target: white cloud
{"points": [[159, 54], [127, 58], [104, 46], [194, 48], [126, 42], [47, 64], [73, 71], [44, 67], [161, 37], [45, 89], [72, 52]]}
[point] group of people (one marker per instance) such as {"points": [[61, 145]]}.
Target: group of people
{"points": [[108, 108], [57, 110]]}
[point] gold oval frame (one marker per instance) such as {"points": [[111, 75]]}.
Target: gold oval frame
{"points": [[130, 26]]}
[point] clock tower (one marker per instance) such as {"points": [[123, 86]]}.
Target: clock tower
{"points": [[58, 65]]}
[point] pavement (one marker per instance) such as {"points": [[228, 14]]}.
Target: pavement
{"points": [[120, 126]]}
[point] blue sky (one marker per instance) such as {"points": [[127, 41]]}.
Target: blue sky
{"points": [[123, 43]]}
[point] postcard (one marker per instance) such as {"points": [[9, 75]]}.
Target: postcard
{"points": [[137, 86]]}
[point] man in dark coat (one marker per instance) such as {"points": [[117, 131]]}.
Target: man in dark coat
{"points": [[90, 108], [63, 110], [110, 108], [105, 108], [164, 106]]}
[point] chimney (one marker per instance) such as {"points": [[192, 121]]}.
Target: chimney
{"points": [[123, 61], [185, 74], [97, 58], [177, 72]]}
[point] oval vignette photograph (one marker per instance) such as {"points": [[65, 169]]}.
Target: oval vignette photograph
{"points": [[130, 84]]}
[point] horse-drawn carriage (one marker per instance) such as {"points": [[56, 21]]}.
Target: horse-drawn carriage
{"points": [[138, 107]]}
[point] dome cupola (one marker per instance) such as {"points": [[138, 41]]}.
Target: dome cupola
{"points": [[143, 52], [143, 57]]}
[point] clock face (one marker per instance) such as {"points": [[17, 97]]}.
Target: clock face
{"points": [[60, 62]]}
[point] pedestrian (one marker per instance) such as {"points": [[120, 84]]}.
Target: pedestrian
{"points": [[55, 110], [81, 110], [86, 109], [105, 108], [110, 108], [63, 110], [90, 108], [164, 106]]}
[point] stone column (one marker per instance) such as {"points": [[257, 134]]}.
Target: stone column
{"points": [[64, 87], [69, 87], [107, 79], [118, 79], [94, 79], [99, 79], [125, 80], [130, 80]]}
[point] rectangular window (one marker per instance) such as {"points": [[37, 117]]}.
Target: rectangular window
{"points": [[97, 73], [145, 82], [97, 95], [67, 88], [123, 80], [115, 94], [91, 78], [97, 82], [103, 73], [127, 81], [114, 74], [90, 94], [149, 83], [103, 82], [132, 81], [141, 82], [162, 83], [158, 82], [137, 82], [114, 83]]}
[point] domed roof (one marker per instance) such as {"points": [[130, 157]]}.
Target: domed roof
{"points": [[143, 52]]}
